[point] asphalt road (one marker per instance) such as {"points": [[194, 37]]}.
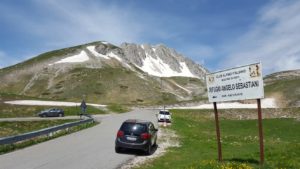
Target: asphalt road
{"points": [[92, 148]]}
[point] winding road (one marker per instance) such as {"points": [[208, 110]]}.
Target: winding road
{"points": [[91, 148]]}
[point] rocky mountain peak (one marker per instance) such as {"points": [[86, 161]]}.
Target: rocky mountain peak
{"points": [[159, 60], [155, 60]]}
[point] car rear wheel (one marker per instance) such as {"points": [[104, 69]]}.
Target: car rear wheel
{"points": [[117, 149], [60, 115], [148, 151], [154, 145]]}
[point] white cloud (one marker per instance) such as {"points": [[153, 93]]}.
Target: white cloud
{"points": [[274, 39]]}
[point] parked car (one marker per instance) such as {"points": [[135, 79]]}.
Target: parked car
{"points": [[136, 134], [52, 113], [164, 116]]}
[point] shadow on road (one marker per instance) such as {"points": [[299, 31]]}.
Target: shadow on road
{"points": [[138, 152]]}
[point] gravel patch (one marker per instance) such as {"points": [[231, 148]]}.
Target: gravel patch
{"points": [[166, 138]]}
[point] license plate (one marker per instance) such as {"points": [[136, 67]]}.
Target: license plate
{"points": [[131, 138]]}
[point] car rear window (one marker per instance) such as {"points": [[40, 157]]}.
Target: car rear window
{"points": [[164, 112], [134, 128]]}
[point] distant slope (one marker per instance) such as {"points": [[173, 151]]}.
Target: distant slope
{"points": [[105, 73], [285, 87]]}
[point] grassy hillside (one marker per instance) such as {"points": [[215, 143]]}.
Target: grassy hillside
{"points": [[287, 91], [98, 81], [45, 56], [106, 86], [285, 87]]}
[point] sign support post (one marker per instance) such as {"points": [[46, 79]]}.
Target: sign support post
{"points": [[239, 83], [261, 139], [218, 132]]}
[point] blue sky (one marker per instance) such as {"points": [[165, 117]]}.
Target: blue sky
{"points": [[218, 34]]}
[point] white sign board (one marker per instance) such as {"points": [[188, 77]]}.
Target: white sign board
{"points": [[239, 83]]}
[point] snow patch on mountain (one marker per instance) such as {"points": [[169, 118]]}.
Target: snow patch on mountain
{"points": [[153, 49], [95, 53], [112, 55], [185, 71], [156, 67], [156, 60], [81, 57]]}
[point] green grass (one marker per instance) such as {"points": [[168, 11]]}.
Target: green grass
{"points": [[10, 111], [240, 144], [11, 147], [109, 86], [117, 108], [12, 96], [20, 127]]}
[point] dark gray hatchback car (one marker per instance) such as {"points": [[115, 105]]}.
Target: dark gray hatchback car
{"points": [[136, 134], [52, 113]]}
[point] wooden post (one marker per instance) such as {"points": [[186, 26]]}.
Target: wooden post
{"points": [[218, 132], [261, 138]]}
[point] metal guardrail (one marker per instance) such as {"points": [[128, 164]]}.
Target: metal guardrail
{"points": [[26, 136]]}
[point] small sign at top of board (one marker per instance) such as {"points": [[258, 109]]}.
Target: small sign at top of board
{"points": [[239, 83]]}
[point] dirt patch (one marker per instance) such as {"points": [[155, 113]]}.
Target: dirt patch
{"points": [[281, 101], [166, 138]]}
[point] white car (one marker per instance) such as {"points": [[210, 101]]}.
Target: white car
{"points": [[164, 116]]}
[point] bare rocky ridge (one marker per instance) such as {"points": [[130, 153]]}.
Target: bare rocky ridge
{"points": [[131, 54], [137, 53]]}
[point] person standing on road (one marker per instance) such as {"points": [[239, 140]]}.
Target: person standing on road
{"points": [[83, 107]]}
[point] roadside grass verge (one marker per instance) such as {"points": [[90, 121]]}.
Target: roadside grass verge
{"points": [[12, 147], [21, 127], [118, 108], [240, 143], [10, 111], [11, 96]]}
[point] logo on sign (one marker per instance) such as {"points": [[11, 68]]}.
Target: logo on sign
{"points": [[254, 70]]}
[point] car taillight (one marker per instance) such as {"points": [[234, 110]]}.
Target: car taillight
{"points": [[145, 136], [120, 134]]}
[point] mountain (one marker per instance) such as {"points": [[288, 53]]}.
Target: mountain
{"points": [[104, 73], [284, 87]]}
